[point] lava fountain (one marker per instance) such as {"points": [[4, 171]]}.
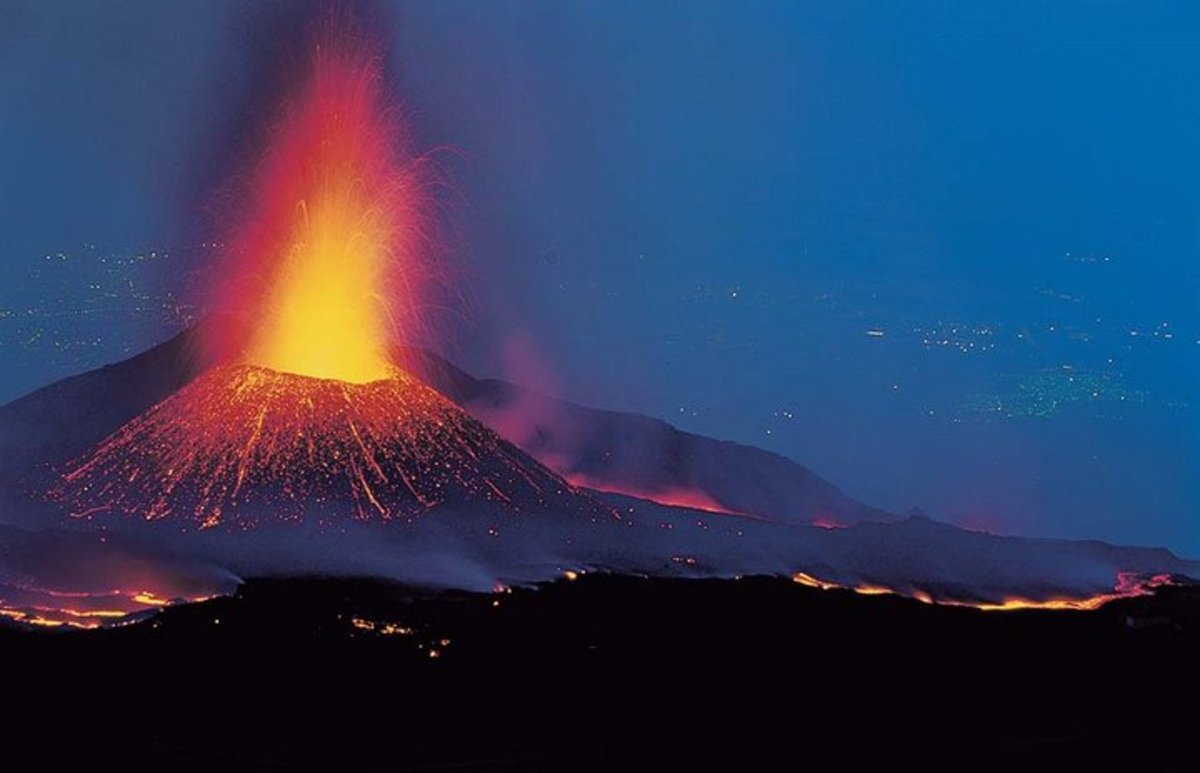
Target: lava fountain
{"points": [[325, 266]]}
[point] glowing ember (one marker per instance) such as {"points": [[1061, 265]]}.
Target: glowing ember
{"points": [[242, 444], [1129, 585], [326, 265], [380, 627]]}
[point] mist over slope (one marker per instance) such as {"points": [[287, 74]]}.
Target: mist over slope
{"points": [[646, 457]]}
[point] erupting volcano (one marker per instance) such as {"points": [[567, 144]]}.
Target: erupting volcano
{"points": [[307, 415], [246, 443], [310, 407], [247, 482]]}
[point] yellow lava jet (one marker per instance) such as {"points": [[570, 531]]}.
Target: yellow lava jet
{"points": [[324, 315], [327, 259]]}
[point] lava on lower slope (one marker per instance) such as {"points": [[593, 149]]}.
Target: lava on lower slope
{"points": [[242, 445]]}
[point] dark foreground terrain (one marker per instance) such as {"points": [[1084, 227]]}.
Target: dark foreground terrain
{"points": [[605, 673]]}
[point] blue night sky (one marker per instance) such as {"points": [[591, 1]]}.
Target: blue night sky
{"points": [[944, 253]]}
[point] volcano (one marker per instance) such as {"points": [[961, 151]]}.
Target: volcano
{"points": [[298, 430], [241, 444], [264, 473], [307, 416]]}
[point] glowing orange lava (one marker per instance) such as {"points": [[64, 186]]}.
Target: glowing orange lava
{"points": [[57, 609], [242, 445], [1128, 585], [327, 262], [671, 496]]}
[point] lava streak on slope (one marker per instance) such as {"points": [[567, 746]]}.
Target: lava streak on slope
{"points": [[1128, 585], [692, 499], [242, 445], [77, 579], [79, 609]]}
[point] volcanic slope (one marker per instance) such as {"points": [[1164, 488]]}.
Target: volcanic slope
{"points": [[241, 445], [41, 433]]}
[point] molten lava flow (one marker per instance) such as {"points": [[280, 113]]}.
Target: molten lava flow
{"points": [[325, 266], [77, 579], [54, 609], [243, 444], [671, 496], [1128, 585]]}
